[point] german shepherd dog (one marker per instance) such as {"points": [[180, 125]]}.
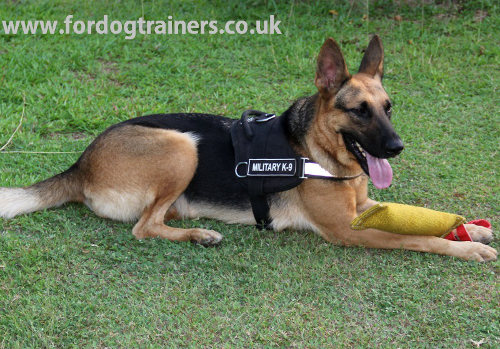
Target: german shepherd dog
{"points": [[155, 168]]}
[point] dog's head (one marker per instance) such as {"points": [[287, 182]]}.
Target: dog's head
{"points": [[353, 114]]}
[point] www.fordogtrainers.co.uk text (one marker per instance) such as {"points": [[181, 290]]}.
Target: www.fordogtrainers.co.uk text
{"points": [[140, 26]]}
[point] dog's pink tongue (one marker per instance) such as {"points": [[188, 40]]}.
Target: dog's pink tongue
{"points": [[380, 171]]}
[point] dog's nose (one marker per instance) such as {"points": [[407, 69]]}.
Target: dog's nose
{"points": [[394, 146]]}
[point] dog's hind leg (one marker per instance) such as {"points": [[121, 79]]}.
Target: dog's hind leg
{"points": [[151, 224], [181, 166], [139, 172]]}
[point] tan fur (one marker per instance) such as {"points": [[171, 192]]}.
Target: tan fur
{"points": [[143, 179], [196, 210], [325, 143]]}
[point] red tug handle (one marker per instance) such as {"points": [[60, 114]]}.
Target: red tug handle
{"points": [[462, 234]]}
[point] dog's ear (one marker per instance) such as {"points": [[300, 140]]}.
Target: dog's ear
{"points": [[331, 71], [373, 60]]}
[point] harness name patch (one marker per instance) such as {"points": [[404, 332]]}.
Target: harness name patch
{"points": [[272, 167]]}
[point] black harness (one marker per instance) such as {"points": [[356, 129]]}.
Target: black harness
{"points": [[265, 163]]}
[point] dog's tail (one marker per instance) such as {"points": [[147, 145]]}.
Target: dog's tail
{"points": [[51, 192]]}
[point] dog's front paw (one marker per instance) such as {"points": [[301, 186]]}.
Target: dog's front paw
{"points": [[475, 251], [479, 233], [206, 237]]}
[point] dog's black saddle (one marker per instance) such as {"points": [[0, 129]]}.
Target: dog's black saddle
{"points": [[265, 163]]}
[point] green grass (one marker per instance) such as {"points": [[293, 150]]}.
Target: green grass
{"points": [[71, 279]]}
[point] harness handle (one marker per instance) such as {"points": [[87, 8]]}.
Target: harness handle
{"points": [[261, 117]]}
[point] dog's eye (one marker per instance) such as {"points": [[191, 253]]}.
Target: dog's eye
{"points": [[388, 109], [361, 112]]}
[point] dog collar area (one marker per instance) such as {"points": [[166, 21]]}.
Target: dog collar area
{"points": [[265, 162]]}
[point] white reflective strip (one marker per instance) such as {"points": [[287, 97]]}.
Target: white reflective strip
{"points": [[314, 169]]}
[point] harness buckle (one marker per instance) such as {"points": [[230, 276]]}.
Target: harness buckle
{"points": [[236, 169], [303, 168]]}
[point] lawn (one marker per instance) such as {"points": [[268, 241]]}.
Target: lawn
{"points": [[71, 279]]}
